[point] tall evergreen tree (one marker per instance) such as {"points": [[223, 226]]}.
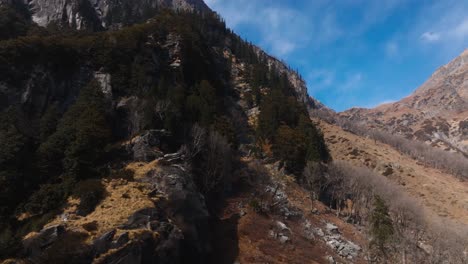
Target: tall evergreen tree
{"points": [[381, 224]]}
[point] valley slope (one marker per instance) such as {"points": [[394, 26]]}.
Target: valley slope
{"points": [[436, 113], [440, 193]]}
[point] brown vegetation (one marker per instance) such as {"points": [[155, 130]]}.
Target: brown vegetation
{"points": [[418, 235], [450, 162]]}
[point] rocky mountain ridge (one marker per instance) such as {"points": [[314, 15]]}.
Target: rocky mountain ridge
{"points": [[98, 15], [435, 113], [101, 14]]}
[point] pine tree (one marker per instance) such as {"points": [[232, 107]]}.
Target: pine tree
{"points": [[381, 224], [80, 137], [289, 146]]}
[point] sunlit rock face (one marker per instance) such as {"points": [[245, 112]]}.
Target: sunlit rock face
{"points": [[101, 14]]}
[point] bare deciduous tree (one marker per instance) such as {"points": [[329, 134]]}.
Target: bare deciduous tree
{"points": [[419, 237], [453, 163]]}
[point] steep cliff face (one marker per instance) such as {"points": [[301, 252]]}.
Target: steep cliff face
{"points": [[134, 133], [435, 113], [101, 14]]}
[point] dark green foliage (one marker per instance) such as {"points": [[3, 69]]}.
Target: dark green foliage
{"points": [[13, 151], [49, 121], [47, 198], [202, 104], [80, 138], [381, 224], [9, 241], [224, 126], [285, 122], [13, 22], [316, 149], [290, 147], [12, 141]]}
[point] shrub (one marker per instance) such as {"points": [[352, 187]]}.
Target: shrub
{"points": [[47, 198], [90, 193], [9, 242]]}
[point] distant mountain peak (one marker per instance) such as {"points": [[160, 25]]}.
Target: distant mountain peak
{"points": [[436, 112]]}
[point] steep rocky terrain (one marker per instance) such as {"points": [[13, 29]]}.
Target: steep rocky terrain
{"points": [[148, 132], [119, 145], [435, 113], [101, 14]]}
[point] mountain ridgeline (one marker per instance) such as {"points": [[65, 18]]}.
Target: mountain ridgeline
{"points": [[436, 113], [89, 87]]}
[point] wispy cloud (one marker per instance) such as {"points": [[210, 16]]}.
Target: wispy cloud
{"points": [[351, 82], [430, 36], [319, 79], [444, 24], [281, 29], [461, 30]]}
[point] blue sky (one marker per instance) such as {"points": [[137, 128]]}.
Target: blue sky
{"points": [[354, 52]]}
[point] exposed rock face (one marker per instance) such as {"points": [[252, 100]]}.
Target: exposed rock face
{"points": [[147, 146], [174, 230], [334, 240], [101, 14], [435, 113]]}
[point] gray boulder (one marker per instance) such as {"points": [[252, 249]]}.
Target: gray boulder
{"points": [[146, 147], [35, 245]]}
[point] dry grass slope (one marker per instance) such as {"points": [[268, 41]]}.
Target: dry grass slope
{"points": [[441, 193]]}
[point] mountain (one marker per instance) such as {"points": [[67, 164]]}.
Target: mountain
{"points": [[149, 132], [122, 142], [435, 113], [416, 190], [101, 14]]}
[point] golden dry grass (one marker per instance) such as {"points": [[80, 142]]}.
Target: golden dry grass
{"points": [[141, 169], [123, 198], [441, 193]]}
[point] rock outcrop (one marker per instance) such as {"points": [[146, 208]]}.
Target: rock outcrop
{"points": [[101, 14]]}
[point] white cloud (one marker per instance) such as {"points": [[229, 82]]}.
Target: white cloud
{"points": [[461, 30], [444, 24], [281, 29], [430, 36]]}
